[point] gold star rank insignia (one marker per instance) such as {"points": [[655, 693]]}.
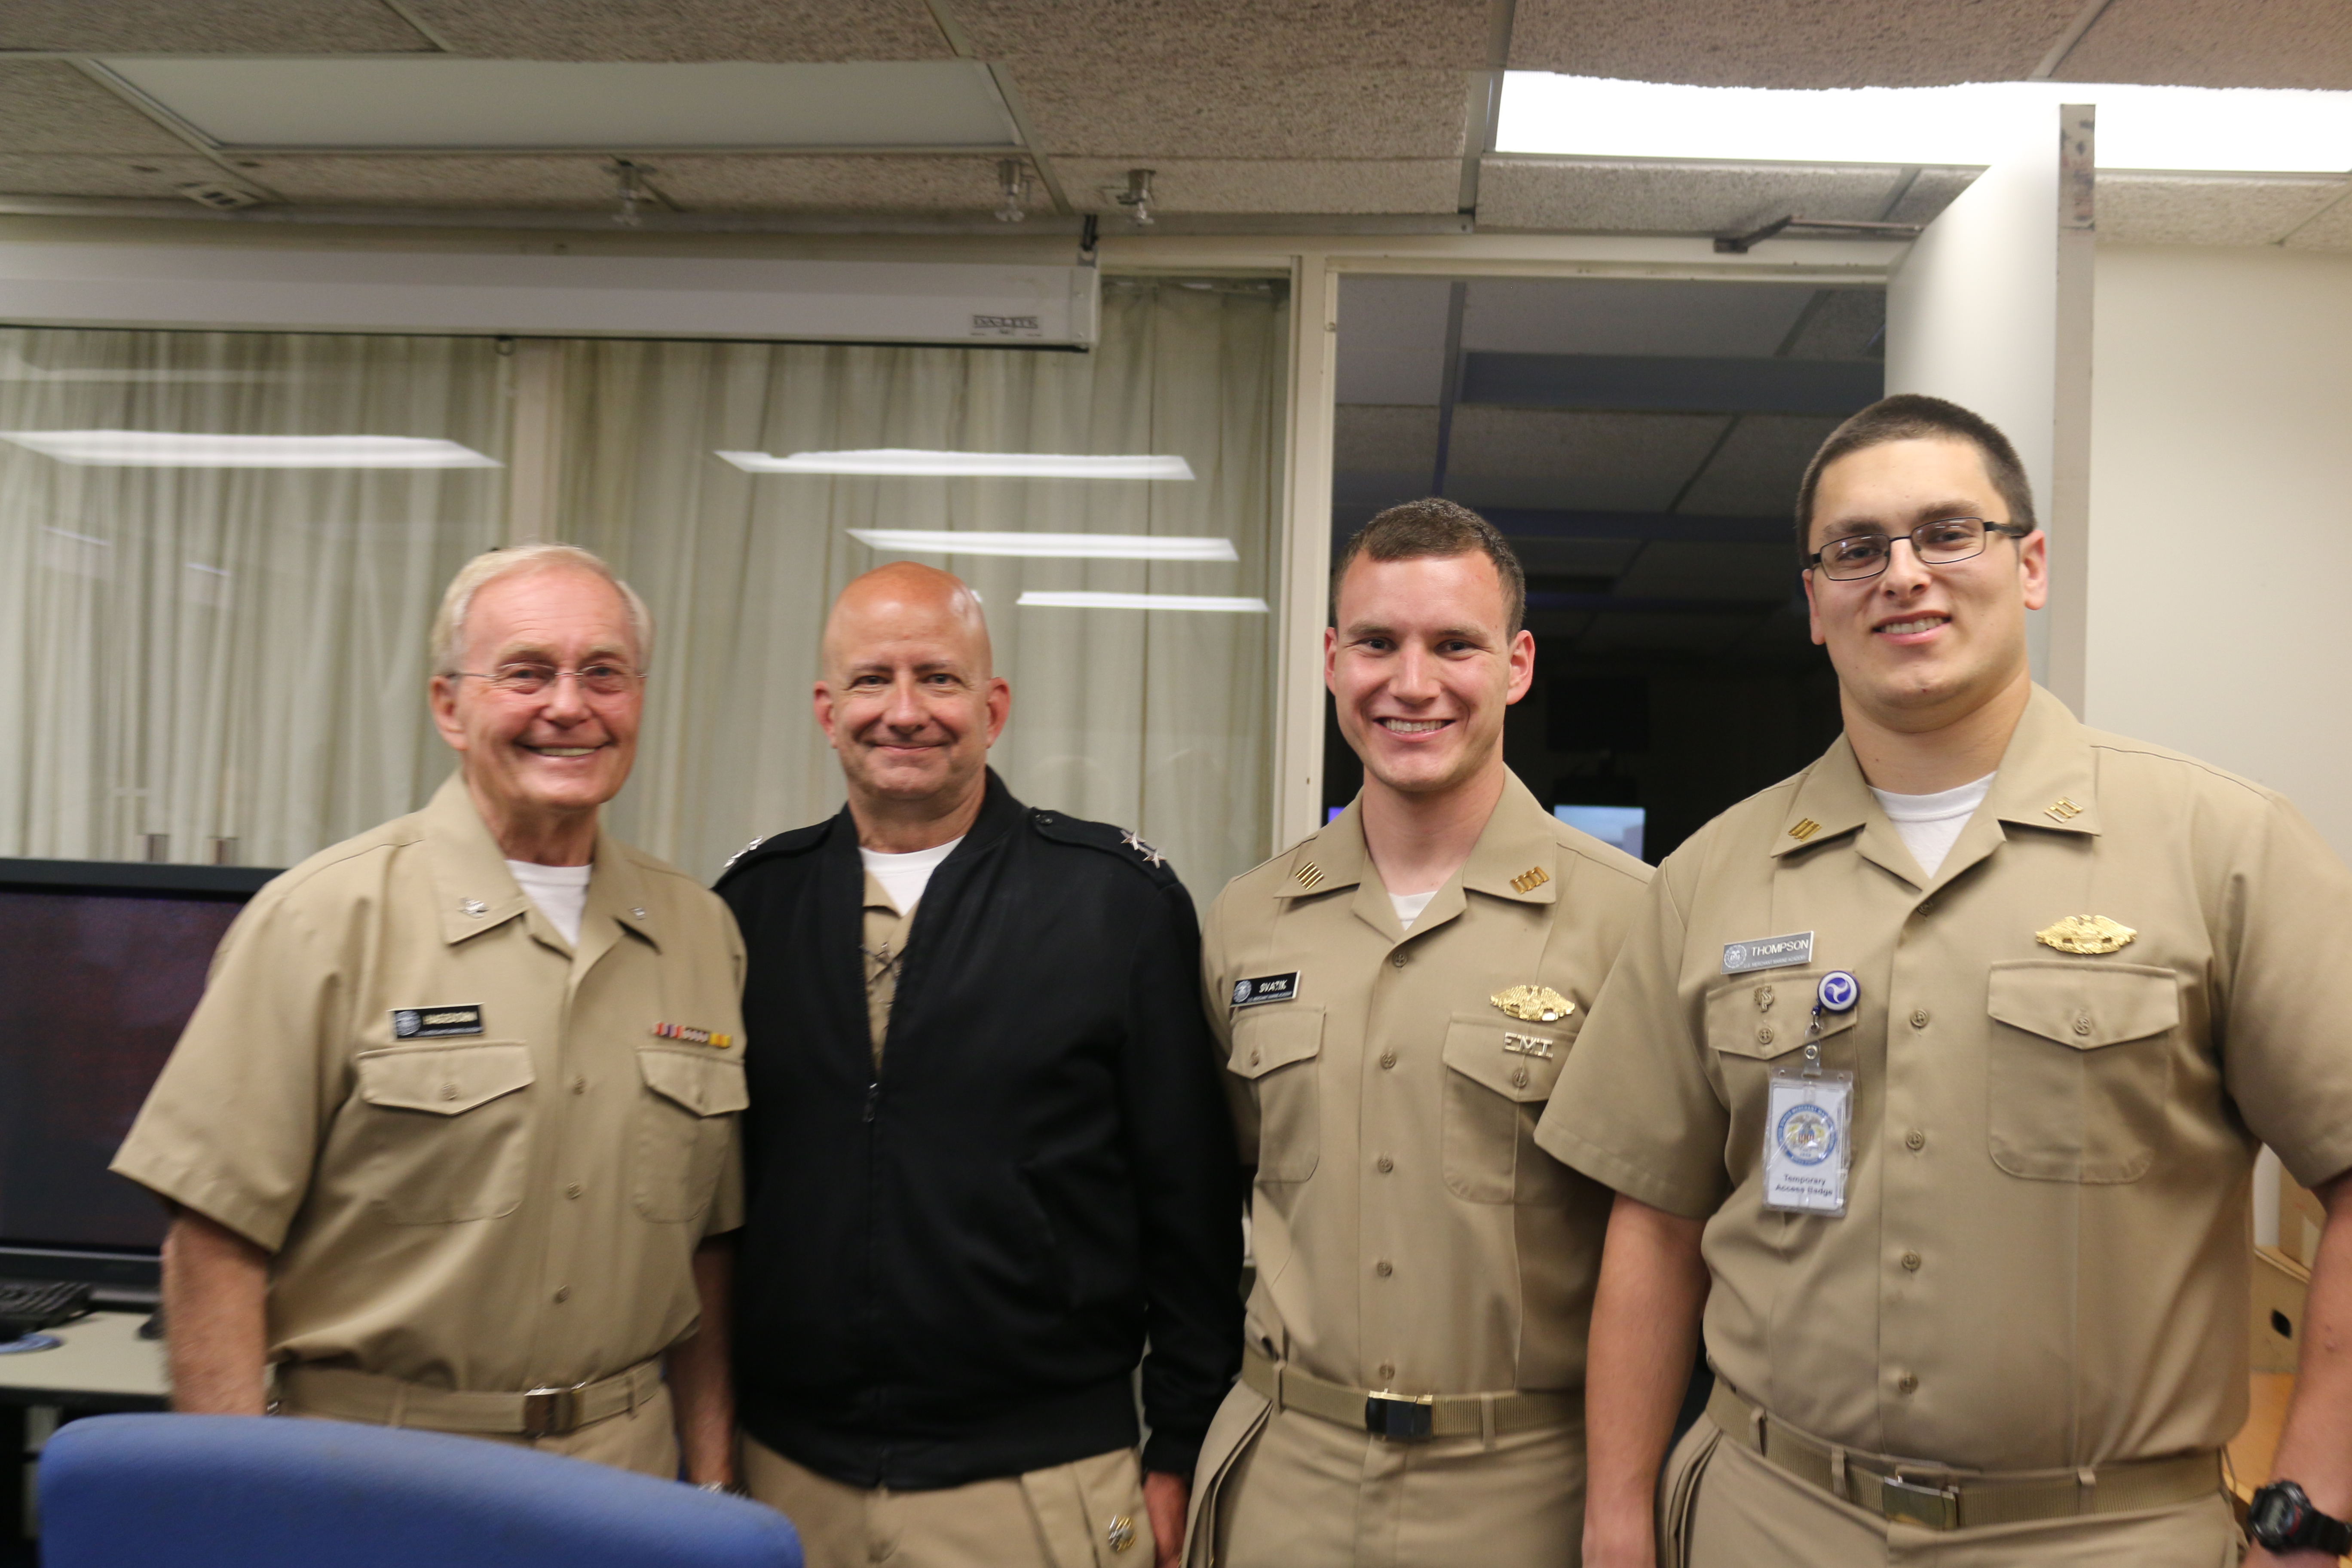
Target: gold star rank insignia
{"points": [[1536, 1003], [2085, 934]]}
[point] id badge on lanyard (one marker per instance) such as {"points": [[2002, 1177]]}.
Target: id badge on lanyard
{"points": [[1808, 1121]]}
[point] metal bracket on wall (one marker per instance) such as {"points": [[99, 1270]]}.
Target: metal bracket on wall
{"points": [[1740, 243]]}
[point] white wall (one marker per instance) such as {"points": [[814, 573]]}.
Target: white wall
{"points": [[2220, 575]]}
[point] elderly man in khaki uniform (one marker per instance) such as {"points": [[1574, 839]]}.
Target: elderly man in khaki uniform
{"points": [[450, 1130], [1937, 1073], [1395, 996]]}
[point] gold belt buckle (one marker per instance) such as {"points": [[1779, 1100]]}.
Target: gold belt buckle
{"points": [[1400, 1417], [550, 1411], [1937, 1507]]}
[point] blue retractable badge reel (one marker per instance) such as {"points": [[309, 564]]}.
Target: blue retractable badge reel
{"points": [[1838, 991]]}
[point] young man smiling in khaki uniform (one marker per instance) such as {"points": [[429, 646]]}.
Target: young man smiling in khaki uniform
{"points": [[1395, 995], [1936, 1073], [449, 1130]]}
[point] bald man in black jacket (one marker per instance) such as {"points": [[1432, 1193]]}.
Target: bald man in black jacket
{"points": [[988, 1156]]}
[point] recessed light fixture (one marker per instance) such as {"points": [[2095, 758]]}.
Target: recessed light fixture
{"points": [[1081, 546], [905, 462], [172, 449], [1036, 599], [2182, 128], [437, 102]]}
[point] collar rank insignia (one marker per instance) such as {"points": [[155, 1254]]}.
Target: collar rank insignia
{"points": [[1528, 880], [2085, 934], [1804, 830], [691, 1035], [1536, 1003], [1307, 874], [1127, 840], [739, 855], [2064, 810]]}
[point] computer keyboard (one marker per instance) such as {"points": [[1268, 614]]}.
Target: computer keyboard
{"points": [[29, 1306]]}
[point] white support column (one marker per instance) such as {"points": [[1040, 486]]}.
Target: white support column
{"points": [[1306, 552], [535, 463]]}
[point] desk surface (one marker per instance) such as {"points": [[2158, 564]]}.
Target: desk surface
{"points": [[102, 1363]]}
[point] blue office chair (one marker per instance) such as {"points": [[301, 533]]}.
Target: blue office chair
{"points": [[242, 1492]]}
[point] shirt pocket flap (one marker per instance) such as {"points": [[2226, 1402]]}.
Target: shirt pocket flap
{"points": [[1518, 1061], [706, 1085], [2078, 1004], [1289, 1032], [444, 1079], [1738, 1026]]}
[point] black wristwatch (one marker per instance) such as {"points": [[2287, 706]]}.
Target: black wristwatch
{"points": [[2281, 1519]]}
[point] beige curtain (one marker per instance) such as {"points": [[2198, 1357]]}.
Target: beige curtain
{"points": [[227, 652], [1156, 719]]}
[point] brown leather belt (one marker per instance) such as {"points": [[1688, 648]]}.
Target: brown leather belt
{"points": [[384, 1401], [1406, 1418], [1938, 1497]]}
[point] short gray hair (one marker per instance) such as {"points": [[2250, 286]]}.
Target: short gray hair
{"points": [[448, 645]]}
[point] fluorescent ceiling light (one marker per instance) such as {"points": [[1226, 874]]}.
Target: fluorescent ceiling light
{"points": [[429, 102], [1084, 546], [170, 449], [2185, 128], [904, 462], [1045, 601]]}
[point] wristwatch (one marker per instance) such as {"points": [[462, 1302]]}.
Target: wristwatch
{"points": [[2281, 1519]]}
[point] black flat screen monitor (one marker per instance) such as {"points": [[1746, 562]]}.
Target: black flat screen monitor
{"points": [[100, 964]]}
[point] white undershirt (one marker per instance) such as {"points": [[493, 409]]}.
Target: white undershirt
{"points": [[560, 891], [1408, 906], [904, 877], [1930, 823]]}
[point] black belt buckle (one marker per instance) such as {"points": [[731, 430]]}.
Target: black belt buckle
{"points": [[1400, 1417], [550, 1411], [1937, 1507]]}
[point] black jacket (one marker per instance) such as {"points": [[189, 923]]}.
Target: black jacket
{"points": [[948, 1272]]}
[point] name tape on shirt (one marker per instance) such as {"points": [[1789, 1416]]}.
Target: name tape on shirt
{"points": [[1266, 988], [432, 1023], [1768, 953]]}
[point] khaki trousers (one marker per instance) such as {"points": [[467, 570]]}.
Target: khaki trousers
{"points": [[1087, 1514], [1726, 1507], [1303, 1492], [643, 1440]]}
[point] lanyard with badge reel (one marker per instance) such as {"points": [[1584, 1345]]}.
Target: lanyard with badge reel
{"points": [[1807, 1120]]}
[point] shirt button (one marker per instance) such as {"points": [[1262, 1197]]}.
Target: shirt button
{"points": [[579, 1085], [1927, 907], [1384, 1165], [1918, 1017], [1519, 1077], [575, 1189], [1764, 1035], [1253, 1059], [563, 1294], [449, 1091], [1906, 1383], [1398, 960], [2081, 1023], [1384, 1269], [1388, 1060], [1911, 1261], [1915, 1138], [1388, 1371]]}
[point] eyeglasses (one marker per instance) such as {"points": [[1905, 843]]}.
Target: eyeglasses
{"points": [[603, 678], [1938, 543]]}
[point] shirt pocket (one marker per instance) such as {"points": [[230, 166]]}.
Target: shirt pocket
{"points": [[682, 1130], [2080, 1068], [1277, 1051], [1751, 1042], [445, 1134], [1499, 1076]]}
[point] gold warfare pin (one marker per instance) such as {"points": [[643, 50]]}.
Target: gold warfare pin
{"points": [[2086, 933], [1535, 1004]]}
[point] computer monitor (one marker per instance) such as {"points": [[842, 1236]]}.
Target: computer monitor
{"points": [[100, 964]]}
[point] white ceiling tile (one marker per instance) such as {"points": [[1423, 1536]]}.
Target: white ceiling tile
{"points": [[1392, 347], [1757, 470], [214, 27], [1446, 34], [1140, 113], [48, 105], [71, 175], [2197, 43], [704, 30], [1575, 461], [1385, 439], [1848, 324], [2199, 209], [1790, 43], [1628, 316], [1271, 184], [1930, 193], [911, 184], [2330, 230], [1672, 197], [438, 181]]}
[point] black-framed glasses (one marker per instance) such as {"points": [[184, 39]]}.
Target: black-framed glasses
{"points": [[605, 678], [1938, 543]]}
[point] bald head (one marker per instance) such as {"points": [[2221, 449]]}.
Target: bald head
{"points": [[903, 600], [911, 703]]}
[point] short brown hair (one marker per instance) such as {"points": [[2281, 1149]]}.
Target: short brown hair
{"points": [[1434, 526], [1914, 416]]}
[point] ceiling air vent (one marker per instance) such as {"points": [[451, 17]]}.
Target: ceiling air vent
{"points": [[220, 195]]}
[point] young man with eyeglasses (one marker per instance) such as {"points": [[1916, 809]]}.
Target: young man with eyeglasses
{"points": [[450, 1134], [1934, 1078]]}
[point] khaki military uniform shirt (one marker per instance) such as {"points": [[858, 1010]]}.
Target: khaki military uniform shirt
{"points": [[2043, 1262], [476, 1163], [1408, 1232]]}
